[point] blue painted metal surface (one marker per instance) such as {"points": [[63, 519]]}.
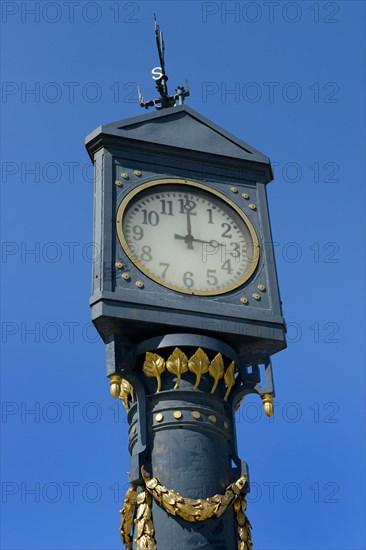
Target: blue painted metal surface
{"points": [[180, 143], [195, 455]]}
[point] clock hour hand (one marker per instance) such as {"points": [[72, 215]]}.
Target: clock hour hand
{"points": [[192, 239], [188, 239]]}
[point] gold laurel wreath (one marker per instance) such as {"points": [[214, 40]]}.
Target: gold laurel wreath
{"points": [[189, 509]]}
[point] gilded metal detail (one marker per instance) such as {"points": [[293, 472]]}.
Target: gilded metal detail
{"points": [[159, 417], [256, 296], [196, 415], [216, 370], [126, 517], [245, 195], [261, 287], [139, 284], [124, 175], [243, 524], [191, 509], [115, 382], [199, 365], [212, 418], [244, 300], [118, 265], [177, 415], [177, 364], [233, 189], [268, 405], [229, 378], [125, 276], [154, 366], [118, 183], [127, 394], [144, 527], [252, 207], [137, 173]]}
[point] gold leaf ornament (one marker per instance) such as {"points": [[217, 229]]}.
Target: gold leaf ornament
{"points": [[126, 517], [216, 370], [144, 527], [126, 394], [199, 365], [229, 378], [177, 364], [153, 367]]}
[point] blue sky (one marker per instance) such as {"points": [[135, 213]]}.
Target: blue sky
{"points": [[286, 77]]}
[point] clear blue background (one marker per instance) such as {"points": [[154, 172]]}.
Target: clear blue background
{"points": [[307, 463]]}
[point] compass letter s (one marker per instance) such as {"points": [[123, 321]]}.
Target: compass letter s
{"points": [[157, 73]]}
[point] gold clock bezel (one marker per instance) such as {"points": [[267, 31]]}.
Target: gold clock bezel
{"points": [[173, 181]]}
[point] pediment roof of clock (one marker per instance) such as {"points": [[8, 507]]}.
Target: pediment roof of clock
{"points": [[184, 128]]}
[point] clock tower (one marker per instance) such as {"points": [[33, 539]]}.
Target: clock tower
{"points": [[185, 297]]}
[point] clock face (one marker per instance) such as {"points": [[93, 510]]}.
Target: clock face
{"points": [[187, 237]]}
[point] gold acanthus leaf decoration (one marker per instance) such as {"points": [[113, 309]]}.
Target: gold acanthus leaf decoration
{"points": [[126, 394], [216, 370], [177, 364], [229, 378], [199, 365], [154, 366]]}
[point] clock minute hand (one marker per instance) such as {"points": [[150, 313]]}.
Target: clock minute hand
{"points": [[212, 243], [189, 224]]}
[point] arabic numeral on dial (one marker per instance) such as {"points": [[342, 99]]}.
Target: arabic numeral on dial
{"points": [[166, 207], [138, 232], [187, 206], [210, 220], [150, 218], [165, 268], [226, 233], [235, 252], [146, 254], [211, 277], [226, 266], [188, 279]]}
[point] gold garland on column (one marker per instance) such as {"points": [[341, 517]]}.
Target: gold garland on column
{"points": [[189, 509], [144, 525], [144, 529], [126, 517], [242, 524]]}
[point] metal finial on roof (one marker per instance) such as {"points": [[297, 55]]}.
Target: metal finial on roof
{"points": [[159, 75]]}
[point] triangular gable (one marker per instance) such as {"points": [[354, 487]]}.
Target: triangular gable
{"points": [[182, 127]]}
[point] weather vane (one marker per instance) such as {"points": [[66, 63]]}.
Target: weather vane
{"points": [[159, 75]]}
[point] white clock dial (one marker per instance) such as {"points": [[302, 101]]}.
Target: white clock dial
{"points": [[187, 237]]}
